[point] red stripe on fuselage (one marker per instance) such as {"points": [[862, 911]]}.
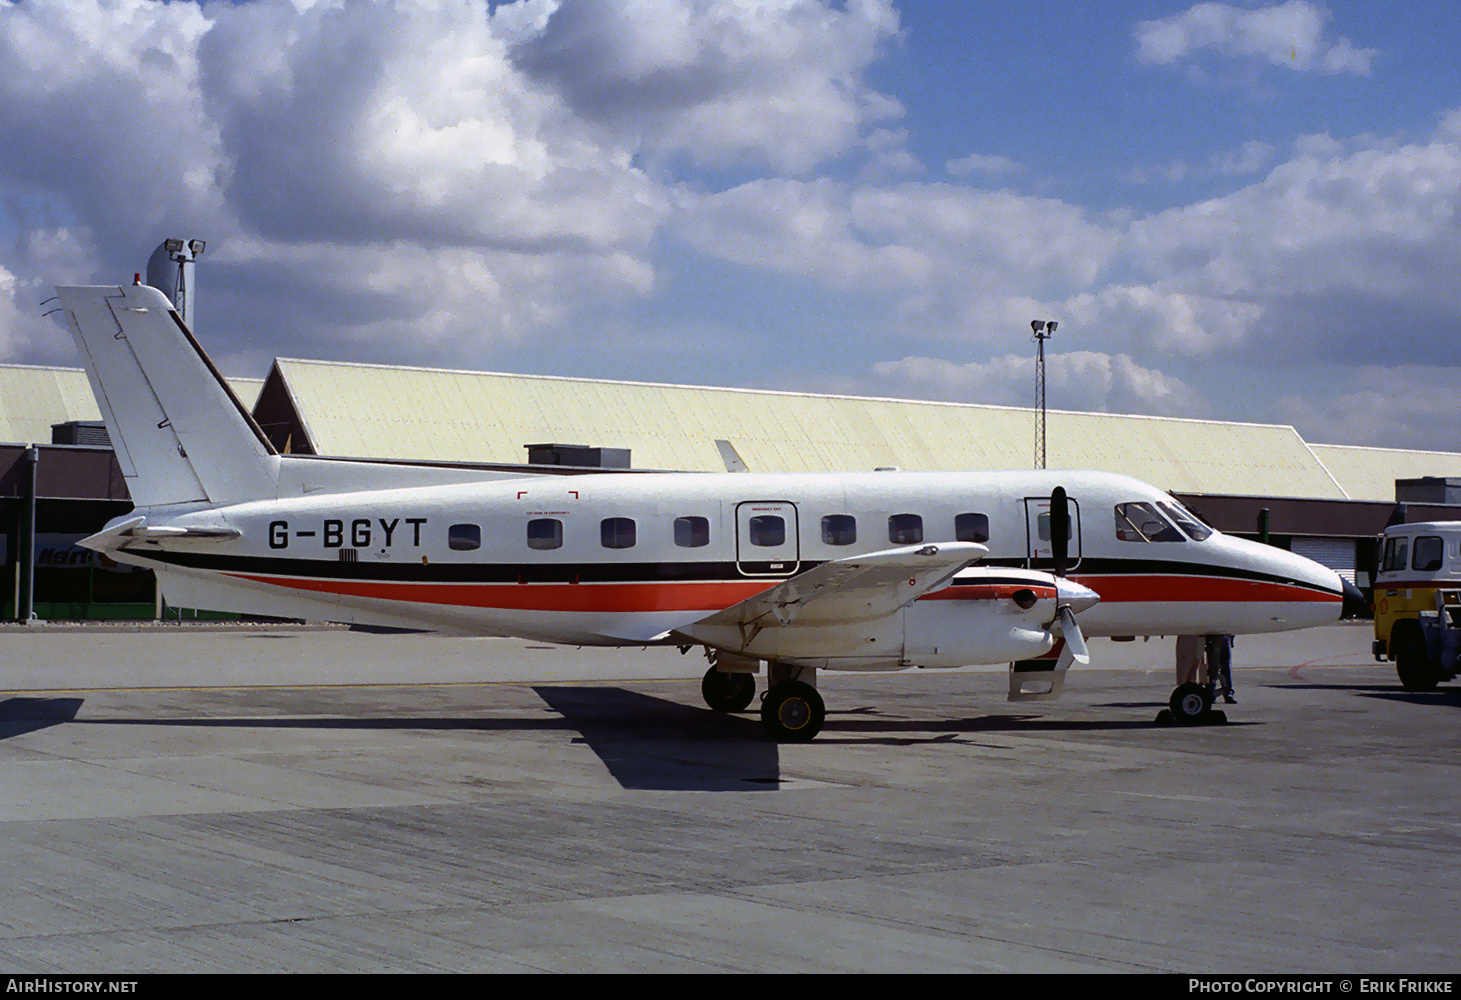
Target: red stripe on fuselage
{"points": [[715, 595]]}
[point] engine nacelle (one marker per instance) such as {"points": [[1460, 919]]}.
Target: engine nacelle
{"points": [[957, 633], [984, 616]]}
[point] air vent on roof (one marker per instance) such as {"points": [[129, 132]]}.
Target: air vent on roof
{"points": [[579, 455], [1429, 489], [92, 432]]}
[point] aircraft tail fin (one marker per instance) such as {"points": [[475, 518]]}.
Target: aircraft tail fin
{"points": [[180, 433]]}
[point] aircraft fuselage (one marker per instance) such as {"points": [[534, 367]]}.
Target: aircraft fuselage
{"points": [[612, 558]]}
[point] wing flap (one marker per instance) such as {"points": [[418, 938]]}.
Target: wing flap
{"points": [[855, 589]]}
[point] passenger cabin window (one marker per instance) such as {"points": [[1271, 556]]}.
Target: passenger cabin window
{"points": [[464, 537], [692, 532], [905, 529], [1427, 553], [1396, 552], [1140, 522], [545, 533], [839, 529], [617, 532], [767, 530], [971, 528]]}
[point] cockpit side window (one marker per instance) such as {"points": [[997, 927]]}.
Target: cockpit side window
{"points": [[1140, 522], [1184, 519]]}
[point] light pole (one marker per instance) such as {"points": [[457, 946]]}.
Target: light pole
{"points": [[170, 271], [1044, 329]]}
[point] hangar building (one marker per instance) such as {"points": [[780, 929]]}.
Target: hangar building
{"points": [[1256, 480]]}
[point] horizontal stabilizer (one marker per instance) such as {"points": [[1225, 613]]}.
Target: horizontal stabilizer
{"points": [[135, 529]]}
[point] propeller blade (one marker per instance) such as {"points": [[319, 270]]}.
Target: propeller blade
{"points": [[1060, 529], [1075, 641]]}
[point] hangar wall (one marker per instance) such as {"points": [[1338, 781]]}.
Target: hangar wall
{"points": [[78, 488]]}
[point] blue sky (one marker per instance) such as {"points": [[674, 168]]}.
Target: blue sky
{"points": [[1240, 211]]}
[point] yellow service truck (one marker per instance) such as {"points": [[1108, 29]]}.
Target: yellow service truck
{"points": [[1418, 602]]}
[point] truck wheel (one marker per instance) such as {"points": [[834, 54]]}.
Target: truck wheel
{"points": [[1412, 661]]}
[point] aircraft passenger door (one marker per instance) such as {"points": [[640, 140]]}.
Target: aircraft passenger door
{"points": [[767, 538], [1039, 552]]}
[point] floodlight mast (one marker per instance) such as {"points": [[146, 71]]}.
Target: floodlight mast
{"points": [[170, 270], [1043, 330]]}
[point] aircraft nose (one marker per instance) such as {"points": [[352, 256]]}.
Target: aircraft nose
{"points": [[1078, 597], [1355, 605]]}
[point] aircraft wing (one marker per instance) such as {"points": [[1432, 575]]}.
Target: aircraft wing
{"points": [[858, 588]]}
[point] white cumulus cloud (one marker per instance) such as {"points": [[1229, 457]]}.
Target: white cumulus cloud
{"points": [[1290, 34], [392, 171], [776, 83], [1076, 380]]}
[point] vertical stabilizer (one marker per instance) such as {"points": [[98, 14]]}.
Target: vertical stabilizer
{"points": [[180, 433]]}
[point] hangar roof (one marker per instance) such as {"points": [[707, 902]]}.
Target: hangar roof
{"points": [[33, 397], [382, 411], [379, 411], [1370, 473]]}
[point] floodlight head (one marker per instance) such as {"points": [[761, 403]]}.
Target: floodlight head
{"points": [[1050, 326], [173, 246], [1037, 326], [196, 246]]}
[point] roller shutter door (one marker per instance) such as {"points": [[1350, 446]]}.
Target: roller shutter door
{"points": [[1336, 553]]}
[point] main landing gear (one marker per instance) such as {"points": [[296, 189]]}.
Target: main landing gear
{"points": [[793, 712], [791, 709], [727, 692]]}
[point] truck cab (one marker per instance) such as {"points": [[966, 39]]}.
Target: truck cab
{"points": [[1418, 601]]}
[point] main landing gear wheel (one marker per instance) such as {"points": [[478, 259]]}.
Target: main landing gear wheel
{"points": [[727, 692], [1190, 704], [793, 712]]}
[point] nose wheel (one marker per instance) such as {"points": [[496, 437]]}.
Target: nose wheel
{"points": [[793, 712], [1191, 705]]}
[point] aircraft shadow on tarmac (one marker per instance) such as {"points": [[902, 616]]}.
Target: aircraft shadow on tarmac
{"points": [[19, 716], [646, 742], [1388, 692]]}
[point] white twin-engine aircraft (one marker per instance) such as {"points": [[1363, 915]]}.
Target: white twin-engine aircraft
{"points": [[838, 571]]}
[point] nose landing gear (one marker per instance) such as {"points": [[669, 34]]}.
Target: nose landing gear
{"points": [[1191, 705]]}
